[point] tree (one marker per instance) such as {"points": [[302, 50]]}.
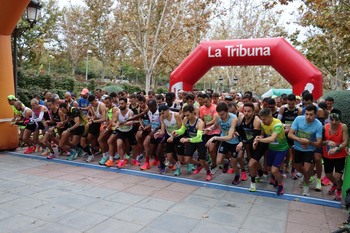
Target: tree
{"points": [[248, 20], [152, 27]]}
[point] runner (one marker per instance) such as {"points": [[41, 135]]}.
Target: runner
{"points": [[306, 132], [273, 134], [335, 141]]}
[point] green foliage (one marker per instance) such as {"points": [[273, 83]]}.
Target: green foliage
{"points": [[131, 88], [161, 90], [341, 102], [113, 88]]}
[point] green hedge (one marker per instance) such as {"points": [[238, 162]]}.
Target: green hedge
{"points": [[341, 102]]}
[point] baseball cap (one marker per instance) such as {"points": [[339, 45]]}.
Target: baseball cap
{"points": [[163, 107], [84, 91], [11, 97]]}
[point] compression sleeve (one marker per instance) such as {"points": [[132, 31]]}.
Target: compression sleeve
{"points": [[40, 118], [181, 131], [198, 137]]}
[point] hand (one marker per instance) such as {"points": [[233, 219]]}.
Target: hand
{"points": [[304, 141], [239, 146], [170, 139], [331, 143], [333, 151], [184, 140], [209, 142], [174, 133], [255, 144]]}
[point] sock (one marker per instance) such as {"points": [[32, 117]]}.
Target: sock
{"points": [[260, 172], [147, 159], [87, 150], [252, 179]]}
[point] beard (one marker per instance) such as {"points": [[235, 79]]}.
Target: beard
{"points": [[122, 108]]}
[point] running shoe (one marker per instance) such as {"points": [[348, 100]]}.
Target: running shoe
{"points": [[237, 180], [109, 163], [155, 163], [338, 196], [67, 153], [177, 171], [162, 170], [244, 176], [38, 149], [172, 167], [214, 170], [318, 187], [90, 158], [127, 157], [190, 168], [122, 163], [30, 150], [230, 171], [209, 176], [145, 166], [272, 180], [73, 155], [225, 167], [45, 152], [139, 158], [252, 187], [311, 180], [331, 191], [51, 156], [103, 160], [306, 190], [280, 190], [79, 152], [116, 156], [198, 169], [325, 181], [135, 162]]}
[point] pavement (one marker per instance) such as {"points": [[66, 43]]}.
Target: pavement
{"points": [[39, 195]]}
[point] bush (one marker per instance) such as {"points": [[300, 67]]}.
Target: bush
{"points": [[341, 102], [113, 88]]}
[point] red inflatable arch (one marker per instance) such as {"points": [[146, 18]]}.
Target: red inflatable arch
{"points": [[275, 52]]}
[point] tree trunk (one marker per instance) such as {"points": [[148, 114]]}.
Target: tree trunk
{"points": [[148, 81]]}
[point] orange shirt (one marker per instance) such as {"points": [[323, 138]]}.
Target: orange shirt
{"points": [[337, 138], [207, 115]]}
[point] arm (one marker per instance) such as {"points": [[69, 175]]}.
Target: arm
{"points": [[231, 132], [198, 137], [76, 123], [182, 129], [138, 116], [345, 142], [103, 110], [280, 113]]}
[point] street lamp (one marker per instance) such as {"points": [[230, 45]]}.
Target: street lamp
{"points": [[32, 13], [87, 64]]}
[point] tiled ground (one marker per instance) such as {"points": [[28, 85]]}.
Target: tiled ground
{"points": [[43, 196]]}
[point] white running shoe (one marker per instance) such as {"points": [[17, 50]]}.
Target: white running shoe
{"points": [[306, 191], [252, 187], [90, 158]]}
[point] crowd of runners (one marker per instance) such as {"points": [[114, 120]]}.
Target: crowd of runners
{"points": [[230, 133]]}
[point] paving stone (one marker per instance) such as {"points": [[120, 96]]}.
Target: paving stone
{"points": [[53, 228], [188, 210], [264, 224], [268, 201], [232, 217], [81, 220], [317, 220], [22, 204], [205, 226], [126, 198], [201, 201], [20, 223], [97, 192], [107, 208], [208, 192], [27, 190], [276, 212], [74, 200], [115, 225], [137, 215], [49, 212], [6, 196], [298, 228], [167, 220], [155, 204]]}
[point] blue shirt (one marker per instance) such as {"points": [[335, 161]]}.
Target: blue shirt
{"points": [[83, 103], [311, 131], [225, 128]]}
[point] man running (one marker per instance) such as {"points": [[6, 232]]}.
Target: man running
{"points": [[306, 131]]}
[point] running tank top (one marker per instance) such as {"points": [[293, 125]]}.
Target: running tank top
{"points": [[225, 127], [289, 116], [110, 113], [24, 112], [247, 129], [135, 110], [337, 138], [145, 119], [154, 119], [171, 125], [191, 129], [97, 112], [122, 119], [55, 116]]}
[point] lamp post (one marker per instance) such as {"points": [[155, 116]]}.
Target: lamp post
{"points": [[220, 81], [87, 64], [32, 13]]}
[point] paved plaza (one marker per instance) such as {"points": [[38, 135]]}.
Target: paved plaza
{"points": [[48, 196]]}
